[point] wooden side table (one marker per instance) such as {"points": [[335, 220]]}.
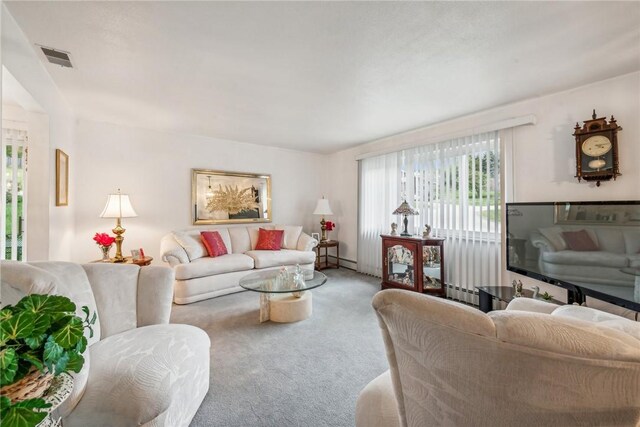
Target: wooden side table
{"points": [[326, 245], [128, 260], [141, 262]]}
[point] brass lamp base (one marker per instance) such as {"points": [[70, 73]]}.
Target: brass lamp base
{"points": [[118, 231], [323, 227], [405, 232]]}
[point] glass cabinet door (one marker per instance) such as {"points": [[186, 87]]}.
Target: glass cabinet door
{"points": [[400, 262], [431, 267]]}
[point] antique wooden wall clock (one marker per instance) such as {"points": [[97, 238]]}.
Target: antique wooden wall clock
{"points": [[597, 149]]}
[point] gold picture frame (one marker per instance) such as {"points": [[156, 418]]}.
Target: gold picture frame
{"points": [[62, 178], [221, 197]]}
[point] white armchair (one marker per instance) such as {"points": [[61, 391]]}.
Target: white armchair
{"points": [[451, 364], [139, 369]]}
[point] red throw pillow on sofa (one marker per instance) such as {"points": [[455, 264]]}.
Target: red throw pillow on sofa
{"points": [[269, 240], [214, 243], [579, 241]]}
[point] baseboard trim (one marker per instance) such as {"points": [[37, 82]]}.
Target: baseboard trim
{"points": [[345, 263]]}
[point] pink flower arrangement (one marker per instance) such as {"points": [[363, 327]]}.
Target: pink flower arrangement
{"points": [[329, 225], [103, 239]]}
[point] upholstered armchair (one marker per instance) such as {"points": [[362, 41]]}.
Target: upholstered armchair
{"points": [[530, 365], [139, 370]]}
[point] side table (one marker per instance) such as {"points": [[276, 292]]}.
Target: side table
{"points": [[326, 245], [128, 260]]}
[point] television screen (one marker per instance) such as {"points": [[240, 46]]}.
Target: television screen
{"points": [[592, 245]]}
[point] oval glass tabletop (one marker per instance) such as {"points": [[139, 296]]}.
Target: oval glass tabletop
{"points": [[272, 281]]}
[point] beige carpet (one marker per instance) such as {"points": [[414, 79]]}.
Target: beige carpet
{"points": [[300, 374]]}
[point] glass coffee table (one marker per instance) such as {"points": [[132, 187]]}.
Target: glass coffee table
{"points": [[282, 300]]}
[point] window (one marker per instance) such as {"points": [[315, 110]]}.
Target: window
{"points": [[455, 186]]}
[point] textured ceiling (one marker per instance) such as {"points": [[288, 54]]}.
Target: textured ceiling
{"points": [[322, 76]]}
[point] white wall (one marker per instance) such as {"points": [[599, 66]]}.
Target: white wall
{"points": [[20, 59], [543, 157], [154, 168]]}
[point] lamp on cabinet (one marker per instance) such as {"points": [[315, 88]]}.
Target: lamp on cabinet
{"points": [[405, 210]]}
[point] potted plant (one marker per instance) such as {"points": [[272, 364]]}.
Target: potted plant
{"points": [[546, 296], [40, 337]]}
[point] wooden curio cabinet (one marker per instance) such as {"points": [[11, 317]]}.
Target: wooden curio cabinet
{"points": [[413, 263]]}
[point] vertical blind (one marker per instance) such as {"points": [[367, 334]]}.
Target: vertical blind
{"points": [[455, 186]]}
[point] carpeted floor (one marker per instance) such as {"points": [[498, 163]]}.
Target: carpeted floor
{"points": [[307, 373]]}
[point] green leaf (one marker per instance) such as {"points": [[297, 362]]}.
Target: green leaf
{"points": [[32, 302], [3, 338], [82, 345], [76, 361], [52, 352], [33, 404], [60, 365], [68, 336], [35, 342], [59, 319], [33, 359], [22, 417], [46, 304], [89, 320], [41, 324], [5, 402], [19, 326], [8, 365], [5, 314]]}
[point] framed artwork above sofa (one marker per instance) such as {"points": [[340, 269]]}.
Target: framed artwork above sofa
{"points": [[221, 197]]}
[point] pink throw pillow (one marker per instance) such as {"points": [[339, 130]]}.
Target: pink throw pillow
{"points": [[579, 241], [214, 243], [269, 240]]}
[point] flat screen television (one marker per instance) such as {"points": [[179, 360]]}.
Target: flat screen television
{"points": [[590, 248]]}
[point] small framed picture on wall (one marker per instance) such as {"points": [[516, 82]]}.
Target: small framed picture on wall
{"points": [[316, 236], [62, 178]]}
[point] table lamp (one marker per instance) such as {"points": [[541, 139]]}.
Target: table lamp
{"points": [[118, 206], [405, 210], [323, 208]]}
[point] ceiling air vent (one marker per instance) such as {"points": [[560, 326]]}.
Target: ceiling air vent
{"points": [[57, 57]]}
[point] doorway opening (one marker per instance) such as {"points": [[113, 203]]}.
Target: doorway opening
{"points": [[14, 190]]}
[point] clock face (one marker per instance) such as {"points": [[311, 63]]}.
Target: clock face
{"points": [[596, 146]]}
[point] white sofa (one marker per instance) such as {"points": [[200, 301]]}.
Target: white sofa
{"points": [[534, 364], [619, 247], [139, 370], [198, 276]]}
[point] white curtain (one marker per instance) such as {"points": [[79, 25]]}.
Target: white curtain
{"points": [[378, 190], [455, 186]]}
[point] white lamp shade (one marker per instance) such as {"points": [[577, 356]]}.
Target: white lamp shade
{"points": [[323, 208], [118, 206]]}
